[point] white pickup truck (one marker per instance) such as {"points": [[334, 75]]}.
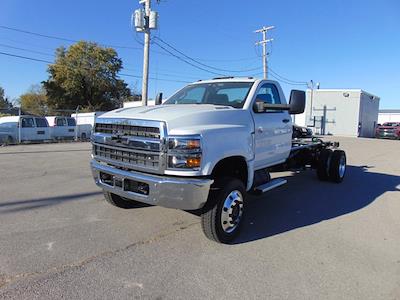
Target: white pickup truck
{"points": [[205, 149]]}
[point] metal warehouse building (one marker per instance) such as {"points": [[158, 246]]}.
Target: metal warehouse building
{"points": [[345, 112], [388, 115]]}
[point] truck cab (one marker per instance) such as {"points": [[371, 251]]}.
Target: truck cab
{"points": [[31, 128], [203, 149]]}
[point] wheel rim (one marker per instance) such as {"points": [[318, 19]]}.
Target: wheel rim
{"points": [[232, 211], [342, 166]]}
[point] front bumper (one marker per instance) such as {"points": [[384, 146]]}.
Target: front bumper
{"points": [[389, 135], [173, 192]]}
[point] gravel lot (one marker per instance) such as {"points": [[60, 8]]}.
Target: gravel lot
{"points": [[305, 240]]}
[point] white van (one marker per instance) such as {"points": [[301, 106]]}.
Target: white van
{"points": [[32, 128], [61, 127], [85, 123]]}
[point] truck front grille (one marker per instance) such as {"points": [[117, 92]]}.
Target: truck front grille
{"points": [[131, 157], [130, 144], [131, 130]]}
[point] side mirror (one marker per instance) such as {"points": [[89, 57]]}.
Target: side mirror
{"points": [[297, 102], [158, 99], [258, 106]]}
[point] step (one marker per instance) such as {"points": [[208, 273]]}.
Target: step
{"points": [[274, 183]]}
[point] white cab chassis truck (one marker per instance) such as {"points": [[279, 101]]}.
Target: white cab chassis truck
{"points": [[205, 148]]}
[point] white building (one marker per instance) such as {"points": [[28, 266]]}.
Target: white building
{"points": [[345, 112], [388, 115], [137, 103]]}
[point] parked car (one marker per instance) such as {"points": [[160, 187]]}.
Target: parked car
{"points": [[301, 132], [61, 128], [388, 130], [32, 128]]}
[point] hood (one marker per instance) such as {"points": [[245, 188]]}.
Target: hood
{"points": [[185, 117]]}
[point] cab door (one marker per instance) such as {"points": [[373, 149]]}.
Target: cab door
{"points": [[28, 129], [273, 129], [71, 127], [42, 129], [60, 128]]}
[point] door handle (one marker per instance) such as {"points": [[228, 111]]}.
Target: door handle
{"points": [[260, 129], [285, 120]]}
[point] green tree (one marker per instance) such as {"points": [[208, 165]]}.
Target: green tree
{"points": [[4, 102], [86, 74], [34, 101]]}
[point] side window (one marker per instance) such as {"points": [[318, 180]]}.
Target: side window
{"points": [[61, 122], [71, 121], [233, 96], [27, 123], [268, 93], [41, 122]]}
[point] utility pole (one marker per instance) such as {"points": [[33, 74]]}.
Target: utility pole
{"points": [[264, 42], [145, 20], [19, 125], [146, 53]]}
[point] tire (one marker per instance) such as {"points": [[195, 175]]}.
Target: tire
{"points": [[9, 140], [119, 201], [323, 164], [337, 168], [226, 205]]}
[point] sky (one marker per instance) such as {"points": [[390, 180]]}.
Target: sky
{"points": [[340, 44]]}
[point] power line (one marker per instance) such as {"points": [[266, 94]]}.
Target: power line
{"points": [[287, 82], [39, 34], [187, 62], [52, 55], [286, 79], [25, 57], [202, 64], [49, 62], [63, 39], [168, 53], [153, 78], [24, 49]]}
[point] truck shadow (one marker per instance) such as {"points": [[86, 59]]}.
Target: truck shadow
{"points": [[305, 201], [28, 204]]}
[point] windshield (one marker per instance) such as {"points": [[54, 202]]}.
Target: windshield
{"points": [[218, 93]]}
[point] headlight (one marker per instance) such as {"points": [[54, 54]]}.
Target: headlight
{"points": [[184, 144], [184, 153]]}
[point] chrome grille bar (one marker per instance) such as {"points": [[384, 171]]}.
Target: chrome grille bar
{"points": [[131, 130]]}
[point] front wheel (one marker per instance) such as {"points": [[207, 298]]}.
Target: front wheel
{"points": [[223, 216], [119, 201]]}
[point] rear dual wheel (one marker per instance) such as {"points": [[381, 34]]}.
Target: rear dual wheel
{"points": [[331, 165], [337, 169]]}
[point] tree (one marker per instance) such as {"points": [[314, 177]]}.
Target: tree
{"points": [[35, 101], [4, 102], [86, 74]]}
